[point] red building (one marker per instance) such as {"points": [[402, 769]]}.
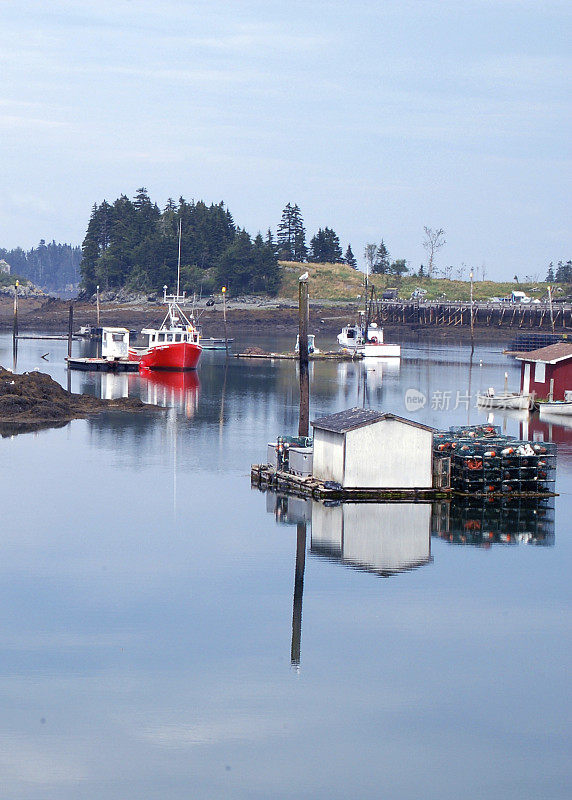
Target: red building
{"points": [[547, 372]]}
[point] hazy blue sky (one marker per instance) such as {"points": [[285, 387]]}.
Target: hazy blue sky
{"points": [[377, 118]]}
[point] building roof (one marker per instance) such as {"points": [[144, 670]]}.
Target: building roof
{"points": [[549, 355], [353, 418]]}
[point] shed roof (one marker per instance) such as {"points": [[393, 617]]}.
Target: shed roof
{"points": [[353, 418], [549, 355]]}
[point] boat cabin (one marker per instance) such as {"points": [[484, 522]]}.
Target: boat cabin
{"points": [[114, 343], [171, 335], [547, 372]]}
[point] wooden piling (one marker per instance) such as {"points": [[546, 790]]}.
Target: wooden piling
{"points": [[15, 326], [303, 314], [70, 330]]}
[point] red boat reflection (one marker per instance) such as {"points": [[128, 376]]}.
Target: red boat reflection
{"points": [[174, 389]]}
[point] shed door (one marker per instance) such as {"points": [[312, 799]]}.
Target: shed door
{"points": [[526, 379]]}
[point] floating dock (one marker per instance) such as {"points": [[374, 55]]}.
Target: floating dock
{"points": [[266, 476], [333, 356], [102, 365]]}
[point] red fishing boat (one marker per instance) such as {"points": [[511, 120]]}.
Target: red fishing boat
{"points": [[175, 345]]}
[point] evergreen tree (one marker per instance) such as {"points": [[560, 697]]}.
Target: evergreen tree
{"points": [[550, 275], [564, 272], [381, 263], [350, 258], [292, 235], [325, 247]]}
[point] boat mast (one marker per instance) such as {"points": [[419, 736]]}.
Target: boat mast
{"points": [[179, 259]]}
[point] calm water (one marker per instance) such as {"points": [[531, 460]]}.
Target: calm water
{"points": [[147, 604]]}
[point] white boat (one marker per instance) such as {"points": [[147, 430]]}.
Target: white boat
{"points": [[352, 338], [508, 400], [552, 408]]}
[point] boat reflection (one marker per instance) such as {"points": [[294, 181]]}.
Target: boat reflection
{"points": [[172, 389]]}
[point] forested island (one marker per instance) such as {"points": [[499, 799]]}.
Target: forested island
{"points": [[133, 245], [53, 267]]}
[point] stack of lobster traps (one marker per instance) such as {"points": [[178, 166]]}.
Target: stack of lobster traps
{"points": [[486, 463]]}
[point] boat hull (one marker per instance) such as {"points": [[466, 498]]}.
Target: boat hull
{"points": [[380, 350], [555, 408], [515, 402], [176, 356]]}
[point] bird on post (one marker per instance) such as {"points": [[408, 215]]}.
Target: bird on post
{"points": [[303, 278]]}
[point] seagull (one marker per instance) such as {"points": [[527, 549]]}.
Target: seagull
{"points": [[303, 277]]}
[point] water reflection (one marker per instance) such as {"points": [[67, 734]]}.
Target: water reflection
{"points": [[483, 523], [383, 538], [178, 390]]}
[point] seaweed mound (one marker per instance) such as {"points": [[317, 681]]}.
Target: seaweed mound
{"points": [[36, 397]]}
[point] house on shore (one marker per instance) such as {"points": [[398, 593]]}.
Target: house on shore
{"points": [[4, 267], [547, 372]]}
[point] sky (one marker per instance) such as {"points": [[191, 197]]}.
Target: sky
{"points": [[376, 118]]}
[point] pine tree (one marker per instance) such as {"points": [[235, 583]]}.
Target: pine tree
{"points": [[381, 264], [325, 247], [292, 235], [350, 258], [550, 275]]}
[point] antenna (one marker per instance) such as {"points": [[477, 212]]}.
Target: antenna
{"points": [[179, 261]]}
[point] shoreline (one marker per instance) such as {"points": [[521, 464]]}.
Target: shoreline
{"points": [[245, 318]]}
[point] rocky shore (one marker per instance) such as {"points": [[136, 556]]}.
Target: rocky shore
{"points": [[245, 316], [34, 398]]}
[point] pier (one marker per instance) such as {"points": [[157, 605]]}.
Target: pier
{"points": [[535, 316]]}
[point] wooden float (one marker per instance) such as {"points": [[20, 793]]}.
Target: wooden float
{"points": [[264, 475], [333, 356], [103, 364]]}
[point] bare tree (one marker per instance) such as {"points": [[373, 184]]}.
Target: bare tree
{"points": [[370, 255], [434, 241], [484, 271]]}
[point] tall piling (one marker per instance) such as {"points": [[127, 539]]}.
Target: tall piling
{"points": [[303, 314], [70, 330], [15, 325]]}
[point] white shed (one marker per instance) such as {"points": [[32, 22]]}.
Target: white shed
{"points": [[363, 448]]}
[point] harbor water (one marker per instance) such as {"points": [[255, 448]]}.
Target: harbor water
{"points": [[168, 632]]}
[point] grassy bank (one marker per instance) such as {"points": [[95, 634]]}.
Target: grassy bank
{"points": [[340, 282]]}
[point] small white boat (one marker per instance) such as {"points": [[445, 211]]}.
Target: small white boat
{"points": [[508, 400], [352, 338], [552, 408]]}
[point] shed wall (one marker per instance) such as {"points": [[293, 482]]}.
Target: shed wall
{"points": [[328, 456], [389, 454]]}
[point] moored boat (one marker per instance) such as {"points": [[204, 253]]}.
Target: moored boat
{"points": [[175, 345], [352, 338], [549, 408], [508, 400]]}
